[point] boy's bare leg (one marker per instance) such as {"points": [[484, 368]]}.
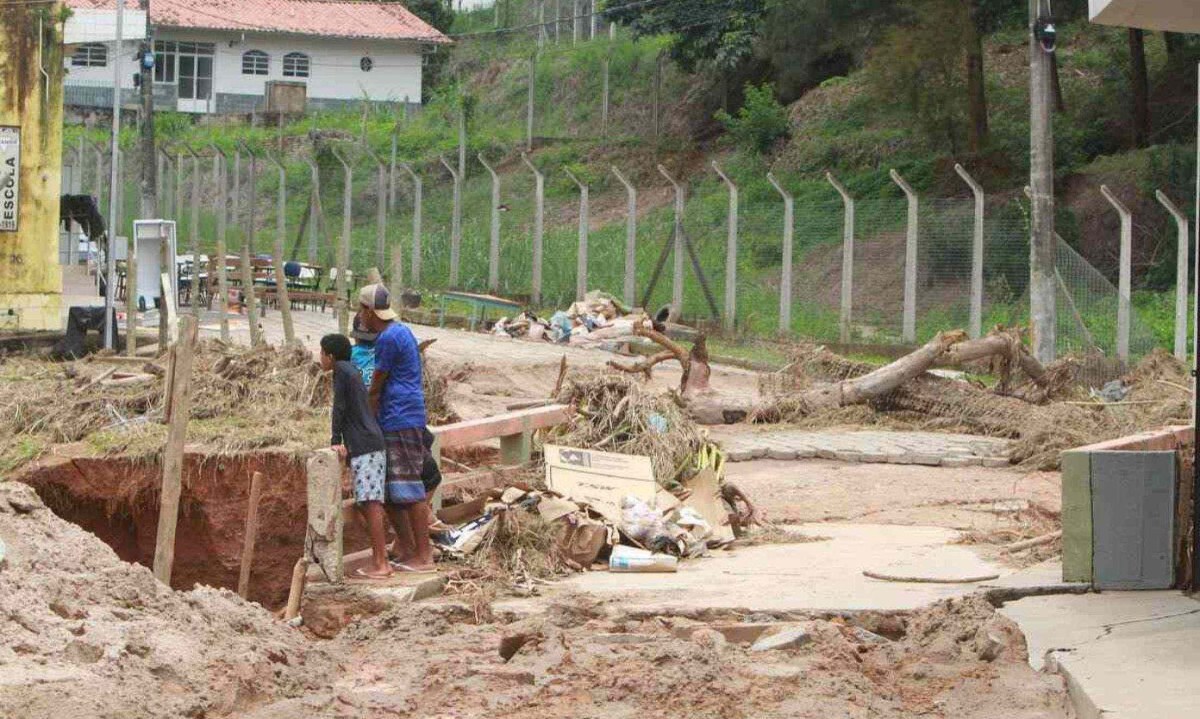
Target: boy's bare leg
{"points": [[419, 517], [375, 529]]}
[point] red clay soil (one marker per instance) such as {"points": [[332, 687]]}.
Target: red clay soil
{"points": [[116, 499]]}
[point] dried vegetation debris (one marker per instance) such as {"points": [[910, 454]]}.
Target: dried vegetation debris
{"points": [[242, 399], [1060, 416]]}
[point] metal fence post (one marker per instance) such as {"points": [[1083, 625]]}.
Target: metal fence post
{"points": [[1123, 283], [604, 95], [731, 251], [581, 257], [785, 283], [847, 309], [909, 332], [539, 214], [281, 282], [1181, 275], [178, 200], [392, 167], [455, 223], [529, 104], [194, 233], [630, 288], [343, 251], [381, 221], [219, 160], [418, 192], [975, 328], [314, 211], [494, 244], [677, 274], [248, 293]]}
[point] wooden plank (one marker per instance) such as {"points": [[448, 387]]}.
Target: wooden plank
{"points": [[503, 425], [168, 306], [179, 403], [131, 303], [250, 535]]}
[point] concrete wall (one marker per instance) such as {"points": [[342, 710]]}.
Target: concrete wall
{"points": [[30, 276], [1175, 15], [334, 73], [1079, 516]]}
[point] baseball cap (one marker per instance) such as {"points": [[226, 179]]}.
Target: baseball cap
{"points": [[377, 299]]}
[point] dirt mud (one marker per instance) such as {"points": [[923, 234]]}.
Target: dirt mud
{"points": [[84, 634]]}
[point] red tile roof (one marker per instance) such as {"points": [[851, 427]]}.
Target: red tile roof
{"points": [[328, 18]]}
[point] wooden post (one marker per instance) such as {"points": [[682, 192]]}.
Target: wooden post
{"points": [[281, 288], [250, 535], [222, 248], [179, 404], [131, 300], [343, 251], [299, 575]]}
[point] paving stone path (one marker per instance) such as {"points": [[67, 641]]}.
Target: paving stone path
{"points": [[925, 448]]}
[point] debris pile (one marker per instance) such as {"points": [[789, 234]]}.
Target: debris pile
{"points": [[617, 414], [598, 319], [241, 399], [1154, 394]]}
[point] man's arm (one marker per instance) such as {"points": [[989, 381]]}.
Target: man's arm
{"points": [[376, 392]]}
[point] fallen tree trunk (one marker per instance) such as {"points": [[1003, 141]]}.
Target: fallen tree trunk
{"points": [[952, 348]]}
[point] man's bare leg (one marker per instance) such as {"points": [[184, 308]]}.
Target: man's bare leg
{"points": [[375, 529], [419, 517]]}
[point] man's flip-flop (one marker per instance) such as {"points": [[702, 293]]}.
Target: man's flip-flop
{"points": [[404, 568], [362, 574]]}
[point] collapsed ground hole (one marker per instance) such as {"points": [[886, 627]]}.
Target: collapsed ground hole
{"points": [[116, 498]]}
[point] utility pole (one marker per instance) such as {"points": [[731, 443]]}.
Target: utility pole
{"points": [[1042, 248], [110, 273], [149, 207]]}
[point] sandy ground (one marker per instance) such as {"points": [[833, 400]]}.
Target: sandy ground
{"points": [[970, 498]]}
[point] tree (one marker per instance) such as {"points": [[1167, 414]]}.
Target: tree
{"points": [[977, 129], [1140, 81], [437, 13], [717, 32]]}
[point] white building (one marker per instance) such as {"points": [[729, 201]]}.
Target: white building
{"points": [[218, 56]]}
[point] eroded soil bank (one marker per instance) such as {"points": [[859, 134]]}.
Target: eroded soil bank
{"points": [[116, 499]]}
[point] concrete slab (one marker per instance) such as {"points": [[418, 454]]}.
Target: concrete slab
{"points": [[1125, 655], [816, 576]]}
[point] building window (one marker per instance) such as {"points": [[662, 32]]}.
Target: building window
{"points": [[366, 64], [255, 62], [92, 54], [295, 64], [164, 60]]}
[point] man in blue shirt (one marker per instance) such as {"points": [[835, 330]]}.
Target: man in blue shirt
{"points": [[398, 400]]}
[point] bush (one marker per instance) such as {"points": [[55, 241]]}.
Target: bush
{"points": [[760, 124]]}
